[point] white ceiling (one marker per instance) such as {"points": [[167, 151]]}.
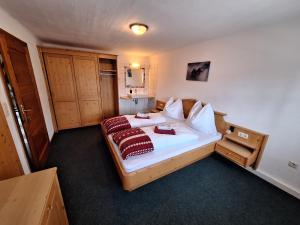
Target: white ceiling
{"points": [[104, 24]]}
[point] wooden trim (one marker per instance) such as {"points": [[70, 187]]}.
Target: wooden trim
{"points": [[71, 52], [136, 179], [261, 151], [53, 117], [117, 105]]}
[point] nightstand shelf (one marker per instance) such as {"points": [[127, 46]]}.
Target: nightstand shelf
{"points": [[243, 151], [235, 139]]}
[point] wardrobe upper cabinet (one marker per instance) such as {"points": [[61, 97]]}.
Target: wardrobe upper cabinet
{"points": [[88, 89], [62, 85]]}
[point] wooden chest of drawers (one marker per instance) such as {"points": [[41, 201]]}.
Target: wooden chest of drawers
{"points": [[34, 199]]}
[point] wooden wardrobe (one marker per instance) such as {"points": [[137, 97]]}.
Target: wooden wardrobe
{"points": [[82, 86]]}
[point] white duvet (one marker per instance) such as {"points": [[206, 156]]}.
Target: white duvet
{"points": [[155, 118], [184, 134]]}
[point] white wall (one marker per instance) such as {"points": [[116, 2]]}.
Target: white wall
{"points": [[13, 27], [255, 78]]}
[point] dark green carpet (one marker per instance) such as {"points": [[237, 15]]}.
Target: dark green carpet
{"points": [[212, 191]]}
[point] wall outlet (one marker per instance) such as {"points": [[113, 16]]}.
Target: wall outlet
{"points": [[243, 135], [293, 164]]}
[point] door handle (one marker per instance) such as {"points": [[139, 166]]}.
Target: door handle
{"points": [[24, 113], [24, 110]]}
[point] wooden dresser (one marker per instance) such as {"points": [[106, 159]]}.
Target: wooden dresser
{"points": [[34, 199]]}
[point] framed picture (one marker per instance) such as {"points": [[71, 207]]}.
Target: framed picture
{"points": [[198, 71]]}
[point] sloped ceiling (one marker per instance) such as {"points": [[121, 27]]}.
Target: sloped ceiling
{"points": [[104, 24]]}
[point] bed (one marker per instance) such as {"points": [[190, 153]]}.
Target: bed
{"points": [[140, 170]]}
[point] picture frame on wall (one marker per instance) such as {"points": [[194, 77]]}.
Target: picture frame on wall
{"points": [[198, 71]]}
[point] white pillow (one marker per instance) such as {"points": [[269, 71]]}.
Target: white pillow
{"points": [[204, 120], [169, 102], [195, 109], [174, 110]]}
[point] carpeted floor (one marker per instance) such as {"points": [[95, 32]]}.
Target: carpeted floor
{"points": [[213, 191]]}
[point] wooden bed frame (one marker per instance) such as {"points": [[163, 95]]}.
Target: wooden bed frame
{"points": [[138, 178]]}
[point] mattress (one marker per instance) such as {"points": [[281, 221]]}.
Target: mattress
{"points": [[166, 146]]}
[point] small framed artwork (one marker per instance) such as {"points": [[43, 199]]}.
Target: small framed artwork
{"points": [[198, 71]]}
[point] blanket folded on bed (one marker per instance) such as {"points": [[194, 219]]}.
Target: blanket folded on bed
{"points": [[116, 124], [133, 142], [141, 117], [164, 131]]}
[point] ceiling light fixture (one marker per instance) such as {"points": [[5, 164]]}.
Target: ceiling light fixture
{"points": [[138, 28]]}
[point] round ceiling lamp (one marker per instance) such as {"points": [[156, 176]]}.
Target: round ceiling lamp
{"points": [[138, 28]]}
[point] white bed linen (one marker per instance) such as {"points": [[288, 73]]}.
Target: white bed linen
{"points": [[155, 118], [165, 149], [184, 134]]}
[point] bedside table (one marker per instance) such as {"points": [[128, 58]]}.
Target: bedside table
{"points": [[242, 146], [159, 106]]}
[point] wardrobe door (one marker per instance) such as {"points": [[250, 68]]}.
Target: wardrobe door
{"points": [[63, 90], [108, 95], [88, 89]]}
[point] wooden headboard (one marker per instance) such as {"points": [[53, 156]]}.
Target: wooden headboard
{"points": [[221, 124]]}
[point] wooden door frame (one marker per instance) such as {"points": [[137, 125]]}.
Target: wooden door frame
{"points": [[50, 100]]}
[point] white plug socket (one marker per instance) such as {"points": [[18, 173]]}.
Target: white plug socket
{"points": [[293, 164], [243, 135]]}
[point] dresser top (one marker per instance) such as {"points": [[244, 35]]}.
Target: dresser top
{"points": [[23, 199]]}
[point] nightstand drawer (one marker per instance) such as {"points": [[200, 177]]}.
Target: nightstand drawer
{"points": [[231, 155]]}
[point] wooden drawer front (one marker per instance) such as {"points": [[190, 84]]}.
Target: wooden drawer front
{"points": [[231, 155], [49, 204], [54, 213]]}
